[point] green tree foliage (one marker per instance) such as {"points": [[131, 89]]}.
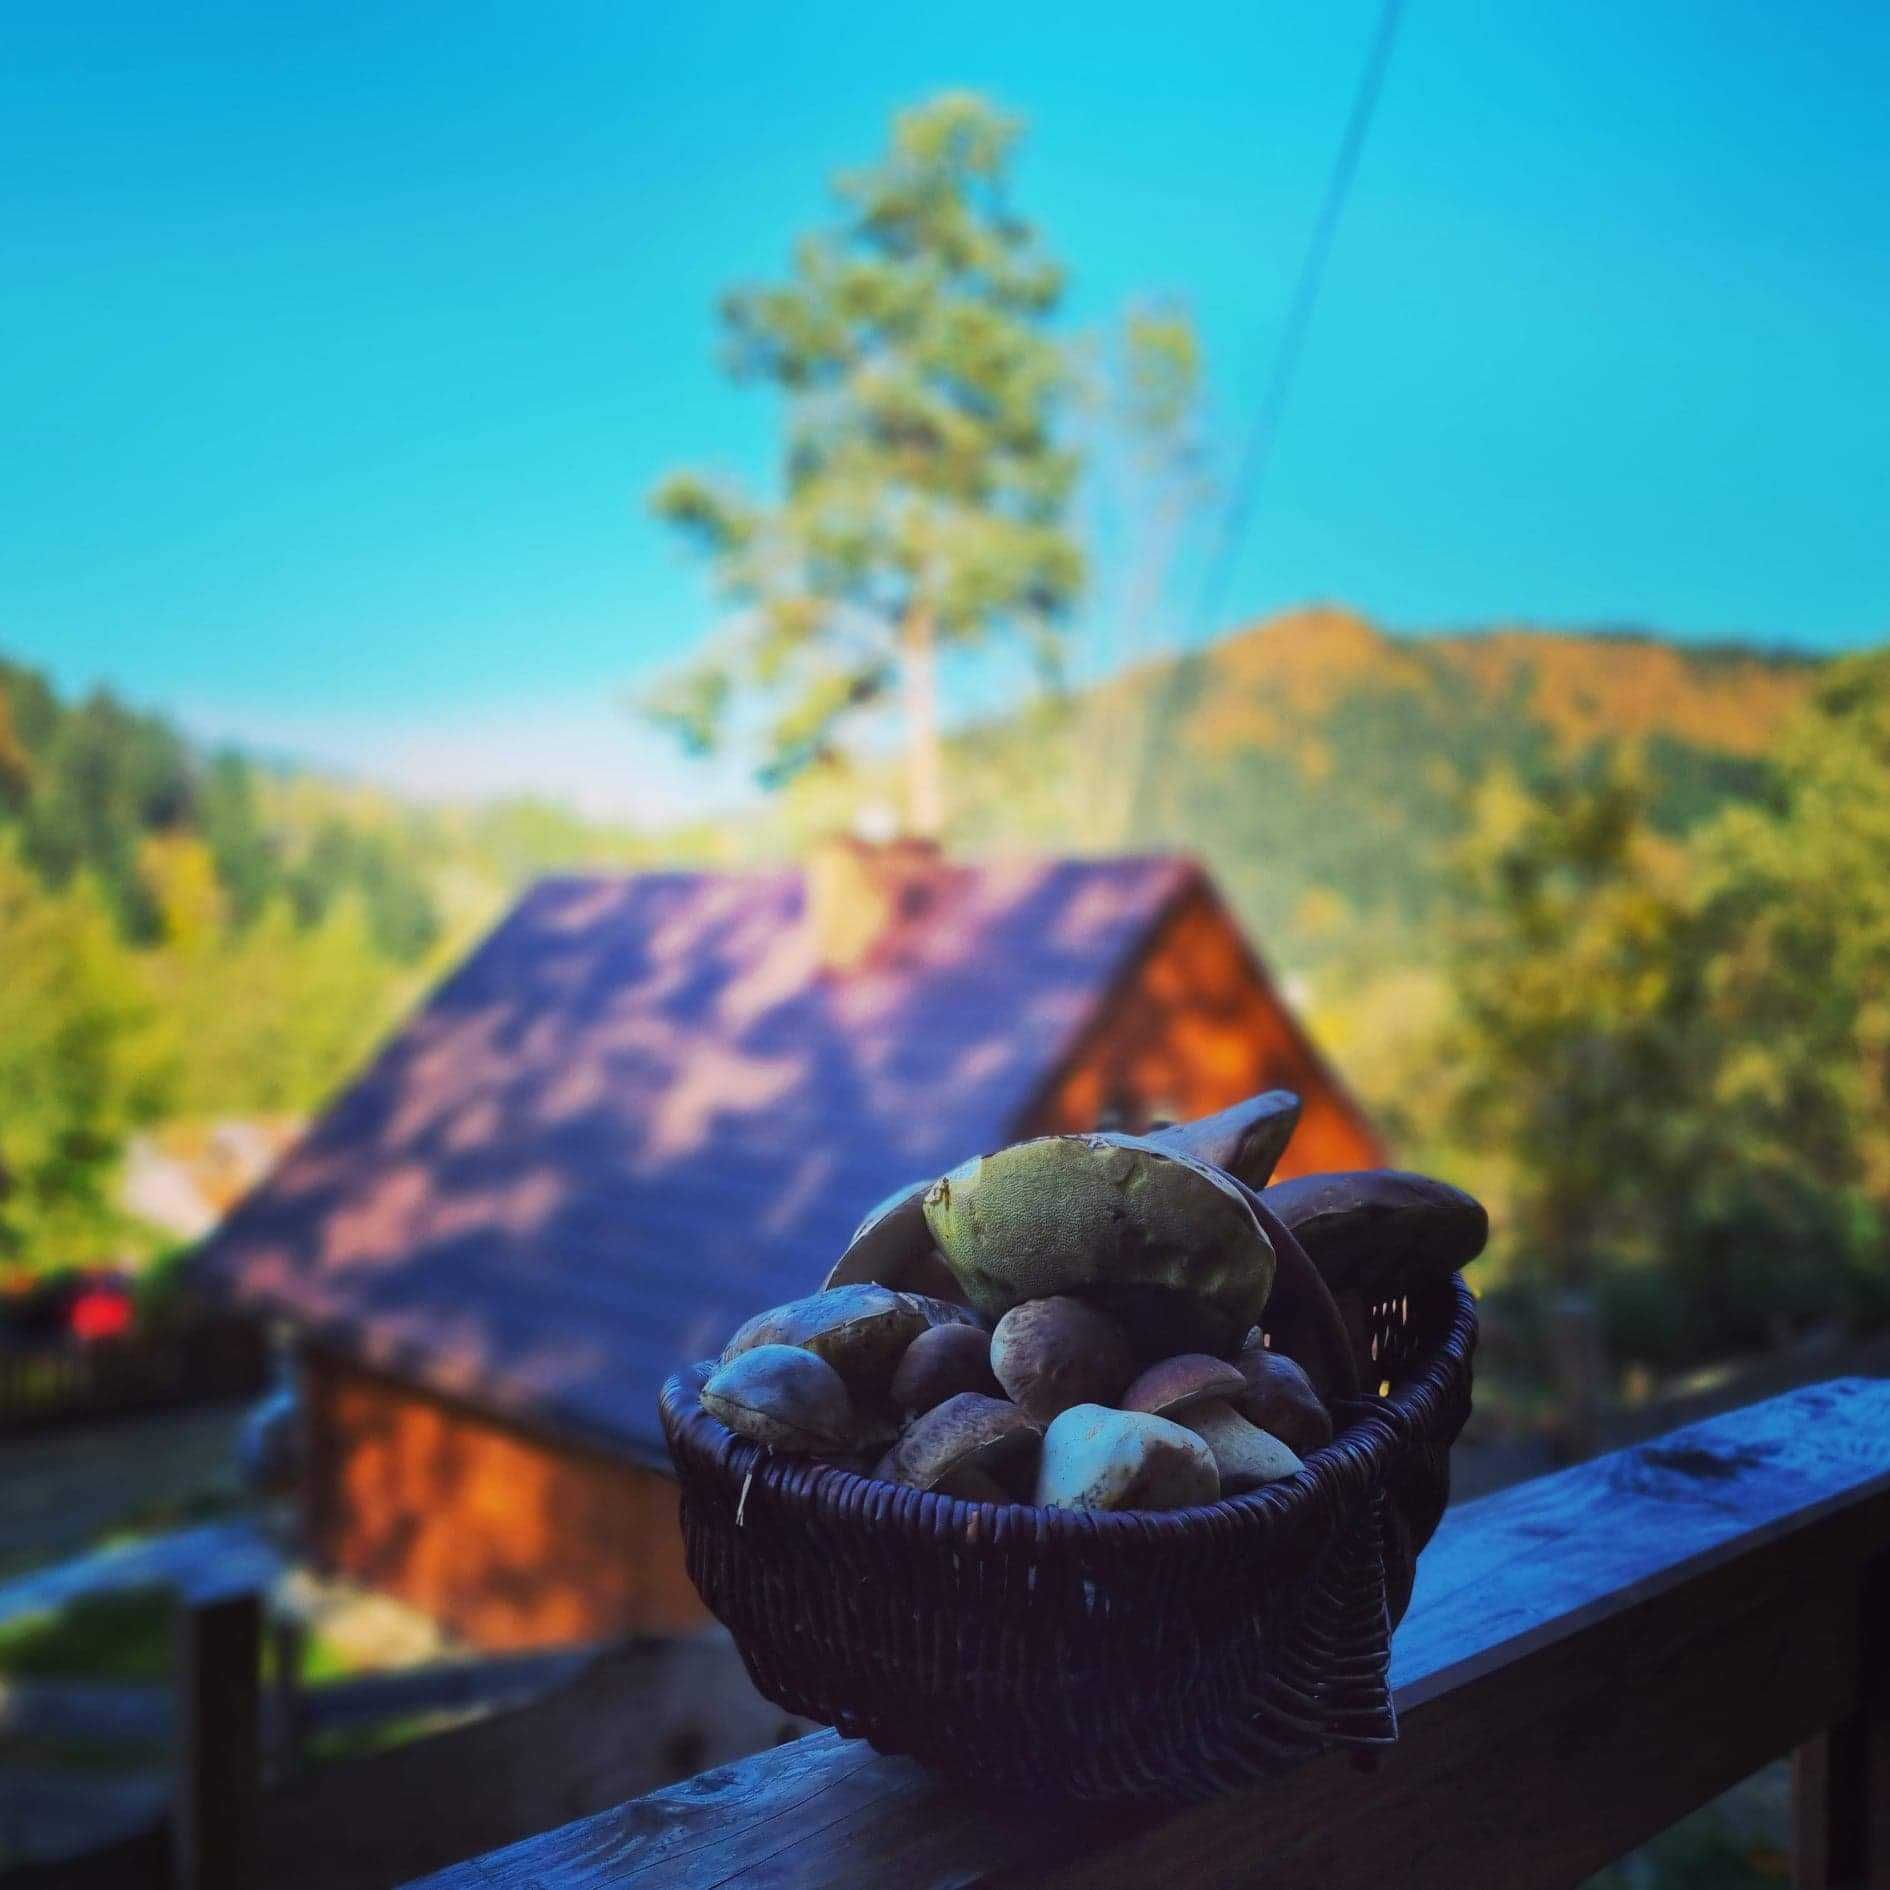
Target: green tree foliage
{"points": [[1795, 898], [86, 786], [1575, 995], [923, 486], [1675, 1057], [78, 1067], [191, 937]]}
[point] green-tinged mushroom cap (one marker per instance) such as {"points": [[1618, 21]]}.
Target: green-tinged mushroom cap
{"points": [[1165, 1244]]}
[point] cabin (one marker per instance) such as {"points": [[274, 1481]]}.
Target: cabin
{"points": [[644, 1108]]}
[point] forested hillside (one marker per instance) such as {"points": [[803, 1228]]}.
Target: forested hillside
{"points": [[187, 936], [1325, 770]]}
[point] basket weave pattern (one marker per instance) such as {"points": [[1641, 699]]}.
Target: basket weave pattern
{"points": [[1094, 1656]]}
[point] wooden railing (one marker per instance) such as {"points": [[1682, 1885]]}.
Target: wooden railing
{"points": [[1587, 1658], [207, 1360]]}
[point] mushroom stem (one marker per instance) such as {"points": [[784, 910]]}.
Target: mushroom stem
{"points": [[1245, 1455]]}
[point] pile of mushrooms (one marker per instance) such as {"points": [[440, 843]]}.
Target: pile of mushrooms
{"points": [[1072, 1321]]}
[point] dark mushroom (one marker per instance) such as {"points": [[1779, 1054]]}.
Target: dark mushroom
{"points": [[1380, 1223], [1280, 1398], [893, 1247], [1049, 1354], [1198, 1392], [963, 1447], [941, 1363], [1177, 1384], [861, 1331], [1245, 1141]]}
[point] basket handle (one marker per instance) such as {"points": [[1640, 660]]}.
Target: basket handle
{"points": [[1302, 1315]]}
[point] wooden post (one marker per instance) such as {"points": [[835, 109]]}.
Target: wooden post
{"points": [[219, 1740], [288, 1638], [1841, 1779]]}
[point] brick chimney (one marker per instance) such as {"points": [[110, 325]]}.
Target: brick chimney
{"points": [[860, 889]]}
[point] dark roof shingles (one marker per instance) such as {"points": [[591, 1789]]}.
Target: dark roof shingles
{"points": [[640, 1112]]}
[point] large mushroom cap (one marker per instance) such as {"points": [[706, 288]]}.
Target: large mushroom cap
{"points": [[861, 1331], [966, 1437], [1095, 1458], [786, 1397], [1178, 1384], [941, 1363], [1379, 1222], [1049, 1354], [1279, 1397], [893, 1247], [1166, 1244]]}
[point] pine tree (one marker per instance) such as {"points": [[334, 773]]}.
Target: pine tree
{"points": [[923, 483]]}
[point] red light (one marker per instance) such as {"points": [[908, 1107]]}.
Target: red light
{"points": [[100, 1315]]}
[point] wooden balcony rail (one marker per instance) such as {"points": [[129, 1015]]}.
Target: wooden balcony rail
{"points": [[1587, 1659]]}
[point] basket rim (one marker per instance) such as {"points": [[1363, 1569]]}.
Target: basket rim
{"points": [[1345, 1470]]}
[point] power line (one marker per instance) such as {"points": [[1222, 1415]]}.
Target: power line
{"points": [[1237, 514]]}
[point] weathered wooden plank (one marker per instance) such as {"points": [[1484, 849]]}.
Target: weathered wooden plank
{"points": [[636, 1718], [1841, 1776], [1585, 1659], [85, 1709]]}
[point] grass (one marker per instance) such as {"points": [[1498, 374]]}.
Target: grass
{"points": [[125, 1637]]}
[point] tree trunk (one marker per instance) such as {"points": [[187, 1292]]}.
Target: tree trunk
{"points": [[925, 794]]}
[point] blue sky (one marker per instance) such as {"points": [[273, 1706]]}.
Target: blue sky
{"points": [[340, 344]]}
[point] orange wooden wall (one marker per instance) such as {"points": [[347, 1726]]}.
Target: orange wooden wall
{"points": [[1198, 1028], [510, 1539]]}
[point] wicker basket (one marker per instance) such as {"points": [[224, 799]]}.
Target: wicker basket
{"points": [[1094, 1656]]}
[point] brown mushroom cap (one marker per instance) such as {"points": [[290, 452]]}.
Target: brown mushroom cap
{"points": [[1279, 1397], [861, 1331], [1180, 1383], [1049, 1354], [1381, 1223], [1244, 1141], [974, 1486], [942, 1362], [964, 1434], [783, 1396]]}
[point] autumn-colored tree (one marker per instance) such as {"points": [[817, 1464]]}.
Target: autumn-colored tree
{"points": [[923, 485]]}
